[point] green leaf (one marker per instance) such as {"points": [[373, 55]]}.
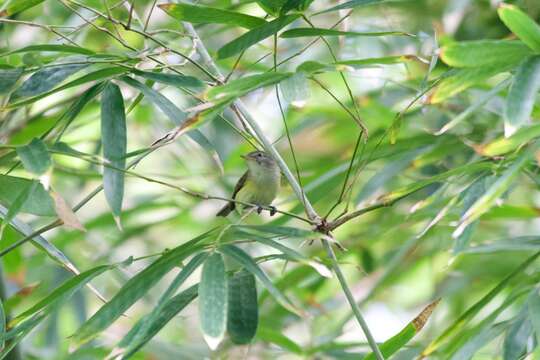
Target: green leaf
{"points": [[462, 79], [522, 95], [309, 32], [298, 5], [247, 262], [176, 115], [504, 145], [199, 14], [279, 339], [62, 293], [17, 6], [17, 204], [2, 324], [517, 338], [353, 4], [521, 25], [8, 78], [272, 7], [39, 202], [295, 89], [467, 316], [179, 81], [135, 339], [114, 139], [239, 87], [484, 53], [385, 60], [486, 201], [101, 74], [45, 79], [254, 36], [470, 348], [398, 341], [170, 309], [533, 305], [213, 300], [134, 289], [35, 156], [51, 48], [522, 243], [243, 313]]}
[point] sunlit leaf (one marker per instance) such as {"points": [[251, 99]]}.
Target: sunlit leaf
{"points": [[522, 95], [176, 80], [242, 86], [62, 48], [484, 53], [310, 32], [521, 25], [114, 139], [213, 292], [18, 6], [198, 14], [353, 4]]}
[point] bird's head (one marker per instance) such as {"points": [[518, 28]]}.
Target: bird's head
{"points": [[259, 158]]}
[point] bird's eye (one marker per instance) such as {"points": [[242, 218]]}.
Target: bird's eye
{"points": [[259, 154]]}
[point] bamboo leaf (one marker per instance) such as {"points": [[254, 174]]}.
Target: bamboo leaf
{"points": [[240, 87], [8, 78], [521, 25], [533, 305], [17, 6], [45, 79], [199, 14], [114, 139], [396, 342], [279, 339], [522, 95], [310, 32], [470, 348], [102, 74], [295, 89], [517, 338], [38, 203], [484, 203], [247, 262], [62, 48], [484, 53], [65, 213], [35, 157], [243, 313], [213, 292], [17, 204], [353, 4], [179, 81], [255, 35], [134, 289]]}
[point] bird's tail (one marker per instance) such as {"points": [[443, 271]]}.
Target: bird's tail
{"points": [[226, 210]]}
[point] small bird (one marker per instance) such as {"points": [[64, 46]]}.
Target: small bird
{"points": [[259, 185]]}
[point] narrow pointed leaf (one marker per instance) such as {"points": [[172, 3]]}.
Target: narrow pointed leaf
{"points": [[213, 304], [517, 338], [355, 3], [8, 78], [484, 52], [310, 32], [35, 156], [522, 95], [247, 262], [133, 290], [533, 305], [243, 313], [521, 25], [199, 14], [45, 79], [17, 205], [62, 48], [176, 80], [396, 342], [18, 6], [240, 87], [255, 35], [114, 139], [295, 89], [470, 348]]}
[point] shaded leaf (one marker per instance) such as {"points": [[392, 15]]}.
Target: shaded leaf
{"points": [[45, 79], [278, 338], [243, 313], [199, 14], [35, 156], [353, 4], [255, 35], [470, 348], [533, 306], [295, 89], [114, 140], [521, 25], [522, 95], [134, 289], [247, 262], [62, 48], [176, 80], [8, 78], [517, 337], [309, 32]]}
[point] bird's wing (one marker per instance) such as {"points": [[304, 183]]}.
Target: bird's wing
{"points": [[240, 184]]}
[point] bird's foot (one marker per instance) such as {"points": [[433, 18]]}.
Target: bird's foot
{"points": [[273, 210], [259, 210]]}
